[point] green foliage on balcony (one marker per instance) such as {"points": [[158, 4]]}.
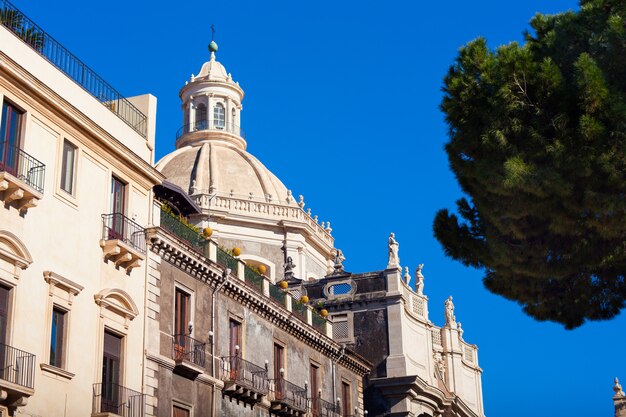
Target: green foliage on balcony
{"points": [[226, 260], [319, 322], [277, 294], [299, 310], [181, 228], [253, 278]]}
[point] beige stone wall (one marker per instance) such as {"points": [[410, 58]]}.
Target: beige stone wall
{"points": [[62, 234]]}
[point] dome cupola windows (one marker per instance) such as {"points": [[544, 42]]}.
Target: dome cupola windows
{"points": [[201, 119], [219, 116]]}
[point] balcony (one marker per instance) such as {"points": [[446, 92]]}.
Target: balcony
{"points": [[17, 376], [111, 399], [21, 177], [323, 408], [183, 230], [123, 241], [189, 355], [287, 399], [46, 46], [244, 380], [205, 125]]}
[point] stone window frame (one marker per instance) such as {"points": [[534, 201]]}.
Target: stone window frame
{"points": [[347, 382], [271, 266], [19, 257], [285, 367], [117, 310], [232, 316], [192, 306], [72, 197], [349, 294], [350, 323], [61, 293], [25, 117], [183, 405]]}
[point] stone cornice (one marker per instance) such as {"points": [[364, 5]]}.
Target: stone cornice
{"points": [[172, 250], [416, 388]]}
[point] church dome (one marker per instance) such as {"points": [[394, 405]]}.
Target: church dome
{"points": [[226, 169]]}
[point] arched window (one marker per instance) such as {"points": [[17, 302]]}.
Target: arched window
{"points": [[219, 116], [200, 117]]}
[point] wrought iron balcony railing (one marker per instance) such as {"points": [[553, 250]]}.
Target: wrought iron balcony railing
{"points": [[288, 393], [323, 408], [235, 369], [27, 30], [210, 125], [21, 165], [113, 398], [189, 349], [119, 227], [17, 366]]}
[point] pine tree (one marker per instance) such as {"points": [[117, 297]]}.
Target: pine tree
{"points": [[538, 144]]}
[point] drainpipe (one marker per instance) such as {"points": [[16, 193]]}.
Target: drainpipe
{"points": [[225, 275], [343, 352]]}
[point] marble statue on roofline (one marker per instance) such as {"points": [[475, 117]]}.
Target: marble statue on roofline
{"points": [[419, 280], [450, 318], [393, 248], [339, 258]]}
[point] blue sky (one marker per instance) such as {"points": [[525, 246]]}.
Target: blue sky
{"points": [[342, 105]]}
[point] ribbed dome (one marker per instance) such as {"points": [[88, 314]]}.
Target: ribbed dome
{"points": [[220, 167]]}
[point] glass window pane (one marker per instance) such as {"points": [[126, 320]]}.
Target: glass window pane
{"points": [[68, 164]]}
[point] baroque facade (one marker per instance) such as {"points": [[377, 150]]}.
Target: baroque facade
{"points": [[197, 286]]}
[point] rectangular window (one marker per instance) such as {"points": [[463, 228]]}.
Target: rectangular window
{"points": [[182, 317], [118, 191], [111, 368], [234, 338], [279, 360], [346, 399], [10, 133], [117, 195], [182, 314], [57, 337], [68, 166], [315, 385], [180, 412], [279, 365], [4, 314]]}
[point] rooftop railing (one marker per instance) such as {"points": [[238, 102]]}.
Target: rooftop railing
{"points": [[238, 370], [17, 366], [24, 28], [184, 347], [210, 125], [116, 399], [226, 260], [21, 165], [119, 227], [173, 224]]}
